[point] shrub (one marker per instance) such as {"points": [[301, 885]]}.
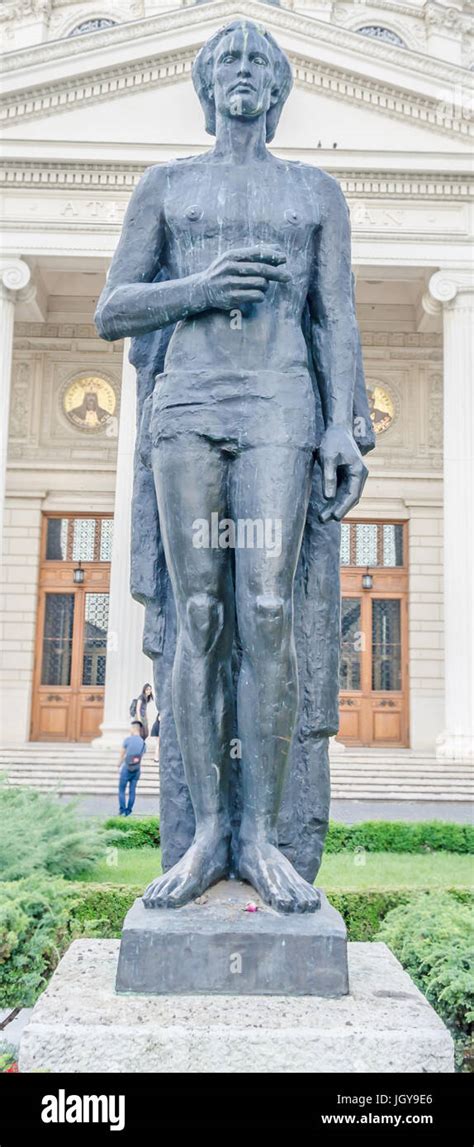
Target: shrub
{"points": [[433, 937], [104, 906], [372, 835], [34, 931], [8, 1058], [39, 833], [401, 836], [36, 927], [133, 832], [101, 907]]}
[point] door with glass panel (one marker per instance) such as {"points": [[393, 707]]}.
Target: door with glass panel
{"points": [[374, 653], [71, 643]]}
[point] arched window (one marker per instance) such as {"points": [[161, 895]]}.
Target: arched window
{"points": [[378, 33], [92, 26]]}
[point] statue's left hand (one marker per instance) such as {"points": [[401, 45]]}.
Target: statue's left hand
{"points": [[344, 472]]}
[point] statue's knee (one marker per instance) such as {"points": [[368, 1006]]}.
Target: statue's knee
{"points": [[271, 619], [205, 620]]}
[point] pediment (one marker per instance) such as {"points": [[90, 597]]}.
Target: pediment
{"points": [[132, 83], [169, 117]]}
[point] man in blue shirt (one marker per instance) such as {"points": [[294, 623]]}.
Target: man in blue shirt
{"points": [[129, 765]]}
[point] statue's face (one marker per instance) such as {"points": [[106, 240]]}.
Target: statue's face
{"points": [[244, 79]]}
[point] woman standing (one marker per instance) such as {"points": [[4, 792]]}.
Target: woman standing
{"points": [[139, 707]]}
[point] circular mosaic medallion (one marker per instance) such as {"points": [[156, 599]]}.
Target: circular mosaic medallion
{"points": [[381, 406], [89, 402]]}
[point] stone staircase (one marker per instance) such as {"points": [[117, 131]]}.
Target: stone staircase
{"points": [[357, 774]]}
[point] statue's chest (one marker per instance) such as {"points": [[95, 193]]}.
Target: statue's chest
{"points": [[212, 213]]}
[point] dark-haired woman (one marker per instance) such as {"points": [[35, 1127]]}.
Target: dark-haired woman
{"points": [[143, 700]]}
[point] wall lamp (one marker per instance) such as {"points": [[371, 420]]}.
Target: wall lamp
{"points": [[78, 574]]}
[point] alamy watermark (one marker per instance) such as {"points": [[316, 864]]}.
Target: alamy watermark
{"points": [[242, 534]]}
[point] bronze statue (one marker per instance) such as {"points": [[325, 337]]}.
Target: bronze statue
{"points": [[233, 274]]}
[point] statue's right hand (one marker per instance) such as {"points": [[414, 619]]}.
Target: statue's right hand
{"points": [[241, 276]]}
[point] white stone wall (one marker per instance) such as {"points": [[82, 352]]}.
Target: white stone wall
{"points": [[51, 466]]}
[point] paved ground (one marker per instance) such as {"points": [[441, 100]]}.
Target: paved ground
{"points": [[352, 811], [347, 811]]}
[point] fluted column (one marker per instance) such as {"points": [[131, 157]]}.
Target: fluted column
{"points": [[14, 279], [452, 291], [127, 667]]}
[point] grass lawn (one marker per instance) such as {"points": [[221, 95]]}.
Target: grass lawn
{"points": [[339, 872], [344, 870]]}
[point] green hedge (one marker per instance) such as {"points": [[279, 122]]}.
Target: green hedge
{"points": [[106, 905], [133, 832], [101, 906], [371, 835], [433, 937], [400, 836]]}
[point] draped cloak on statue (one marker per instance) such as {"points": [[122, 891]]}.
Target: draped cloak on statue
{"points": [[304, 811]]}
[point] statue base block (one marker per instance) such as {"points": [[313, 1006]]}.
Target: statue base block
{"points": [[80, 1024], [217, 945]]}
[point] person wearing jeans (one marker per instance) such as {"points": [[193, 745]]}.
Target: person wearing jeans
{"points": [[130, 767]]}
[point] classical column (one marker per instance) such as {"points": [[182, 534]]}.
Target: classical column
{"points": [[14, 279], [452, 291], [127, 667]]}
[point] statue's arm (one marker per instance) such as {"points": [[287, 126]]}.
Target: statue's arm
{"points": [[334, 334], [335, 345], [131, 303]]}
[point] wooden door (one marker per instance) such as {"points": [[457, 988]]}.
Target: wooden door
{"points": [[71, 643], [374, 646]]}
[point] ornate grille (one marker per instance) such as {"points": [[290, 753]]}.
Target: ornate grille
{"points": [[378, 32], [83, 538], [366, 544], [386, 644], [95, 638], [106, 535], [79, 539], [345, 544], [92, 26], [392, 545], [57, 639], [372, 544]]}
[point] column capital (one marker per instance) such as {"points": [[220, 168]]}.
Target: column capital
{"points": [[15, 279], [444, 288]]}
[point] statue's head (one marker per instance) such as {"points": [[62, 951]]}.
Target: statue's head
{"points": [[242, 73]]}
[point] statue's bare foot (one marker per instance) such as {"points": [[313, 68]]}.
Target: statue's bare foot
{"points": [[275, 879], [205, 862]]}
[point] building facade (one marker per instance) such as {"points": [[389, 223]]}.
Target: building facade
{"points": [[93, 93]]}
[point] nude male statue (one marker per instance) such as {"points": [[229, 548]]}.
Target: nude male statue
{"points": [[246, 243]]}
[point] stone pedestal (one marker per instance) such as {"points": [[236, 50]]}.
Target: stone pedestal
{"points": [[215, 945], [385, 1025]]}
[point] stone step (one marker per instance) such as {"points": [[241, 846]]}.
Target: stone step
{"points": [[69, 773], [444, 776], [400, 767], [345, 761], [357, 774], [339, 792]]}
